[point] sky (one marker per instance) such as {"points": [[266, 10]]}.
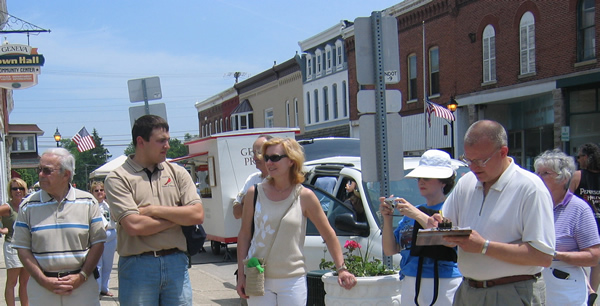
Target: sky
{"points": [[193, 46]]}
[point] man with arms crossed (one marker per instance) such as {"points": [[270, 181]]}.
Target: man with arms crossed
{"points": [[59, 236], [150, 199], [510, 212]]}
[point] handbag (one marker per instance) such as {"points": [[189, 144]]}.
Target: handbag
{"points": [[255, 280], [195, 236]]}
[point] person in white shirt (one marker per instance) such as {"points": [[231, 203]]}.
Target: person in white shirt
{"points": [[254, 178], [510, 212]]}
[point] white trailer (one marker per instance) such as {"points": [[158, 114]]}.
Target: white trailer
{"points": [[220, 165]]}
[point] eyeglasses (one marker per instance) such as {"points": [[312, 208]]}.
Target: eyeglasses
{"points": [[478, 162], [45, 170], [17, 188], [274, 158], [98, 190]]}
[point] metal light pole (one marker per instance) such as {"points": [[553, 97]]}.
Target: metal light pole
{"points": [[57, 137], [452, 105]]}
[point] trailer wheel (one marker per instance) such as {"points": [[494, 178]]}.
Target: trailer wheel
{"points": [[215, 246]]}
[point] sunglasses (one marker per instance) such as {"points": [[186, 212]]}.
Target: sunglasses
{"points": [[17, 188], [274, 158], [45, 170], [98, 190]]}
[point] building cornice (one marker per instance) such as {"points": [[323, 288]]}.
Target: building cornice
{"points": [[327, 35], [216, 99]]}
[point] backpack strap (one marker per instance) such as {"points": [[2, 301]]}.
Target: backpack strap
{"points": [[436, 281]]}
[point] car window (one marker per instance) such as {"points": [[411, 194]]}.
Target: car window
{"points": [[328, 147], [335, 206]]}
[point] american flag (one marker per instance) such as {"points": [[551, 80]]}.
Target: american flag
{"points": [[439, 111], [84, 140]]}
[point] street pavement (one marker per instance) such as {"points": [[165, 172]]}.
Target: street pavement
{"points": [[213, 282]]}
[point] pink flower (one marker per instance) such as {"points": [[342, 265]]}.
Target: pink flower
{"points": [[351, 245]]}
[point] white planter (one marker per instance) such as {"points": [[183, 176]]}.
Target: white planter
{"points": [[370, 290]]}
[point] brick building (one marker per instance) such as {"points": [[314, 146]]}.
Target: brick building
{"points": [[531, 65]]}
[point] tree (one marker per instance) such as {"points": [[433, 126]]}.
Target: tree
{"points": [[30, 176], [86, 162], [177, 149]]}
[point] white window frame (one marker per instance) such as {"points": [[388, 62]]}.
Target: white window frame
{"points": [[287, 113], [527, 43], [319, 63], [339, 45], [296, 113], [489, 54], [269, 118], [309, 64], [21, 143], [328, 59], [434, 69], [412, 74]]}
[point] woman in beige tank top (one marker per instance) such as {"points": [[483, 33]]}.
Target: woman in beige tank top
{"points": [[279, 220]]}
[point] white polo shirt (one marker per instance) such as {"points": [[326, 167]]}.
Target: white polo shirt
{"points": [[517, 208]]}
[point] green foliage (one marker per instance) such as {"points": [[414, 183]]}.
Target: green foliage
{"points": [[30, 176], [359, 265], [88, 161], [177, 149]]}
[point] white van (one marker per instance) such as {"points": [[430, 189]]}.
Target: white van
{"points": [[332, 174]]}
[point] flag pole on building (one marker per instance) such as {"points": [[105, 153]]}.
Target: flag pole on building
{"points": [[424, 90]]}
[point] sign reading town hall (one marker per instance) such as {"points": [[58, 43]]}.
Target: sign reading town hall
{"points": [[19, 66]]}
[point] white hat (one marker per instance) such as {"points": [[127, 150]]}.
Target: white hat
{"points": [[433, 164]]}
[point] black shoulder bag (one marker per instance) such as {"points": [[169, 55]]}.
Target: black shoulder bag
{"points": [[436, 252]]}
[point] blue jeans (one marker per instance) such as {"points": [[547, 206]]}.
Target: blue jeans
{"points": [[148, 280]]}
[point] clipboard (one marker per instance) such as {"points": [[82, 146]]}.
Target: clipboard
{"points": [[434, 236]]}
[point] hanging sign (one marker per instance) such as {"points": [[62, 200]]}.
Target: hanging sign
{"points": [[19, 66]]}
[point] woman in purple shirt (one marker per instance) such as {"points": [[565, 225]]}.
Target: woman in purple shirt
{"points": [[577, 240]]}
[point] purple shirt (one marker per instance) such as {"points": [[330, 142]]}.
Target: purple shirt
{"points": [[574, 225]]}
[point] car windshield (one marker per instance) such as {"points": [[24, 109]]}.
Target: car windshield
{"points": [[406, 188], [328, 147]]}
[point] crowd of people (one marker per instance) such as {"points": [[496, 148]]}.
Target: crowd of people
{"points": [[531, 235]]}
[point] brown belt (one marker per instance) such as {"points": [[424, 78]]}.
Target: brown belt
{"points": [[162, 252], [501, 281]]}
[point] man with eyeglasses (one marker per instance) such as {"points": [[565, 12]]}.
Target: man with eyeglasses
{"points": [[151, 199], [253, 178], [59, 236], [510, 212]]}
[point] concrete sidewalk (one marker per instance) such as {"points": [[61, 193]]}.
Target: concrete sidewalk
{"points": [[213, 282]]}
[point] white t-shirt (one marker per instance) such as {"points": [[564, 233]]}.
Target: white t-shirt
{"points": [[518, 208], [254, 178]]}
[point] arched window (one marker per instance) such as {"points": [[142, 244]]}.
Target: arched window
{"points": [[334, 94], [344, 99], [527, 43], [434, 71], [316, 103], [308, 119], [296, 113], [412, 77], [325, 103], [489, 54]]}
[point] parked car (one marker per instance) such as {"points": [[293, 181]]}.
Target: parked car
{"points": [[317, 148], [328, 177]]}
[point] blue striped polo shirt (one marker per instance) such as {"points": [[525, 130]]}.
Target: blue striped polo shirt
{"points": [[574, 225], [59, 234]]}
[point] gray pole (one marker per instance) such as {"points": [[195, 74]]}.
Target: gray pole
{"points": [[380, 116], [146, 105]]}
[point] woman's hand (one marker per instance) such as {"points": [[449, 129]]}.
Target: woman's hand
{"points": [[346, 279], [241, 285], [384, 208], [407, 209]]}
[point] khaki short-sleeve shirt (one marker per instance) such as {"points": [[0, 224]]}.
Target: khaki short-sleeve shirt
{"points": [[128, 187]]}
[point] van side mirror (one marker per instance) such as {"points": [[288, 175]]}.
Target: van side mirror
{"points": [[347, 223]]}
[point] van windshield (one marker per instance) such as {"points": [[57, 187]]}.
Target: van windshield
{"points": [[406, 188]]}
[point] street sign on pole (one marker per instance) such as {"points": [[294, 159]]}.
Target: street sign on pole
{"points": [[159, 109], [143, 90], [365, 53], [366, 101]]}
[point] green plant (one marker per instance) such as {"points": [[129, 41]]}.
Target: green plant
{"points": [[359, 265]]}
